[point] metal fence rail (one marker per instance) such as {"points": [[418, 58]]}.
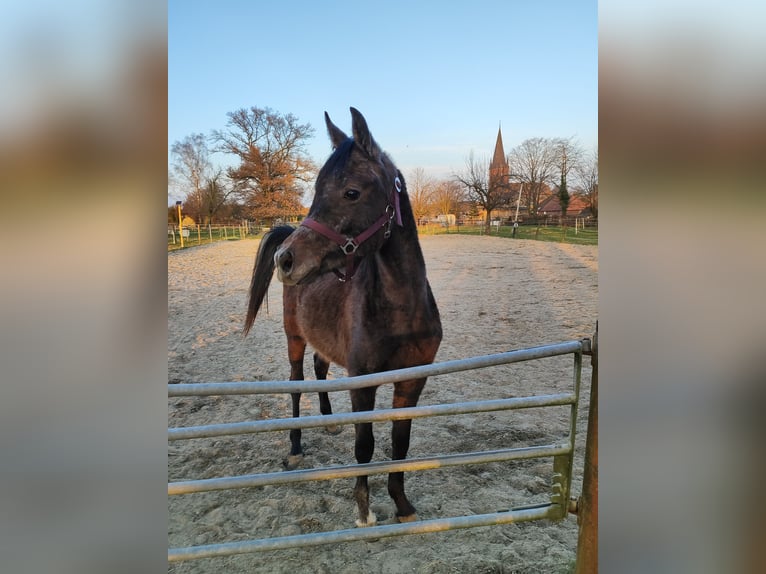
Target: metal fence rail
{"points": [[380, 415], [373, 533], [562, 454], [374, 379], [352, 470]]}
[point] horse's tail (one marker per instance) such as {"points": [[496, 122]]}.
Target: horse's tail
{"points": [[263, 271]]}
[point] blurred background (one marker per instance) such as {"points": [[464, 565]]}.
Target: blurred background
{"points": [[83, 158], [682, 319], [682, 126]]}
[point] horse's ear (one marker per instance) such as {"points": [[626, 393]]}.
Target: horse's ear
{"points": [[337, 136], [362, 134]]}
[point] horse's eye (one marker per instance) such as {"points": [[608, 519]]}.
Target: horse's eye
{"points": [[352, 194]]}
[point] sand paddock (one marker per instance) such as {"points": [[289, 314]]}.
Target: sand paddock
{"points": [[494, 295]]}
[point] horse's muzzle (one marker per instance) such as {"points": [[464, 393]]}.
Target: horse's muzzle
{"points": [[285, 264]]}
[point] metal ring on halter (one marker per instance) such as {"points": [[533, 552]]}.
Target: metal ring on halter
{"points": [[349, 246]]}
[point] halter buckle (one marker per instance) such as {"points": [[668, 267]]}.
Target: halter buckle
{"points": [[390, 211]]}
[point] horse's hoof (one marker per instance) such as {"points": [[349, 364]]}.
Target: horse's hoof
{"points": [[410, 518], [292, 461], [372, 520], [333, 429]]}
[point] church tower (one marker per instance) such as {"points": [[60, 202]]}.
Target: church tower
{"points": [[498, 168]]}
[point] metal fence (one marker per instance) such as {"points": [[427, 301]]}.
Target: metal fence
{"points": [[561, 452]]}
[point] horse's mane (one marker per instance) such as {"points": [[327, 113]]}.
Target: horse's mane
{"points": [[336, 163]]}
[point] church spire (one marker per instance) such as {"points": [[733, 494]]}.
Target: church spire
{"points": [[498, 159]]}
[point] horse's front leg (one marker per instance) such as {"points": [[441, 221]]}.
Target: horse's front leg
{"points": [[296, 347], [320, 370], [364, 446], [406, 394]]}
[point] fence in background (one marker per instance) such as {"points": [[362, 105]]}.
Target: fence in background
{"points": [[201, 234]]}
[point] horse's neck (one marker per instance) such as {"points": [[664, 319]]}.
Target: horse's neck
{"points": [[401, 266]]}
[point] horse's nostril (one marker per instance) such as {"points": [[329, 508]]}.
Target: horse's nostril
{"points": [[285, 261]]}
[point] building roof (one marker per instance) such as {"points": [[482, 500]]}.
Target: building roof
{"points": [[577, 203]]}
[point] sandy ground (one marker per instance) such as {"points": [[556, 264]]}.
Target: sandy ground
{"points": [[494, 295]]}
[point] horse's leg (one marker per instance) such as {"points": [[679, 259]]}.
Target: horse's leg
{"points": [[363, 400], [296, 347], [406, 394], [320, 369]]}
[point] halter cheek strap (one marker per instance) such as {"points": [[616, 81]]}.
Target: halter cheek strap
{"points": [[348, 244]]}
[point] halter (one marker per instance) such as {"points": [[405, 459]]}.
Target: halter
{"points": [[348, 245]]}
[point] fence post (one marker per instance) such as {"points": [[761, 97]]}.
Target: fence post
{"points": [[587, 511]]}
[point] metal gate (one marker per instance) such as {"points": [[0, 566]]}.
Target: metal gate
{"points": [[561, 452]]}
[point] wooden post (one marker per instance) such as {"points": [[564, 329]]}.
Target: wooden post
{"points": [[180, 224], [587, 507]]}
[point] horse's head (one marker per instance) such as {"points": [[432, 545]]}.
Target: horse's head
{"points": [[355, 206]]}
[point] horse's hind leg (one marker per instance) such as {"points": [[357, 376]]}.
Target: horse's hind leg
{"points": [[296, 347], [320, 369], [363, 400], [406, 394]]}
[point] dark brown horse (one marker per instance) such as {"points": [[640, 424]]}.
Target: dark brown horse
{"points": [[355, 289]]}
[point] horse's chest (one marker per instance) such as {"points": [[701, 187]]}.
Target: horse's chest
{"points": [[343, 329]]}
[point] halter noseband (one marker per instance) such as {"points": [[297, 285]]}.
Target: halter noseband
{"points": [[348, 244]]}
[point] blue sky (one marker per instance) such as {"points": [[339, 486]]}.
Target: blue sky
{"points": [[434, 79]]}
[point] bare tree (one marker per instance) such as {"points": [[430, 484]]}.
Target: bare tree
{"points": [[215, 194], [190, 168], [420, 188], [274, 165], [535, 163], [476, 181], [587, 174], [448, 194]]}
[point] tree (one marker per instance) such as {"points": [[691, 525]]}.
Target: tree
{"points": [[273, 164], [571, 157], [212, 197], [563, 193], [534, 163], [447, 196], [476, 181], [587, 173], [420, 188], [191, 167]]}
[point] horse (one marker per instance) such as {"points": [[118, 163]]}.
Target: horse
{"points": [[355, 289]]}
